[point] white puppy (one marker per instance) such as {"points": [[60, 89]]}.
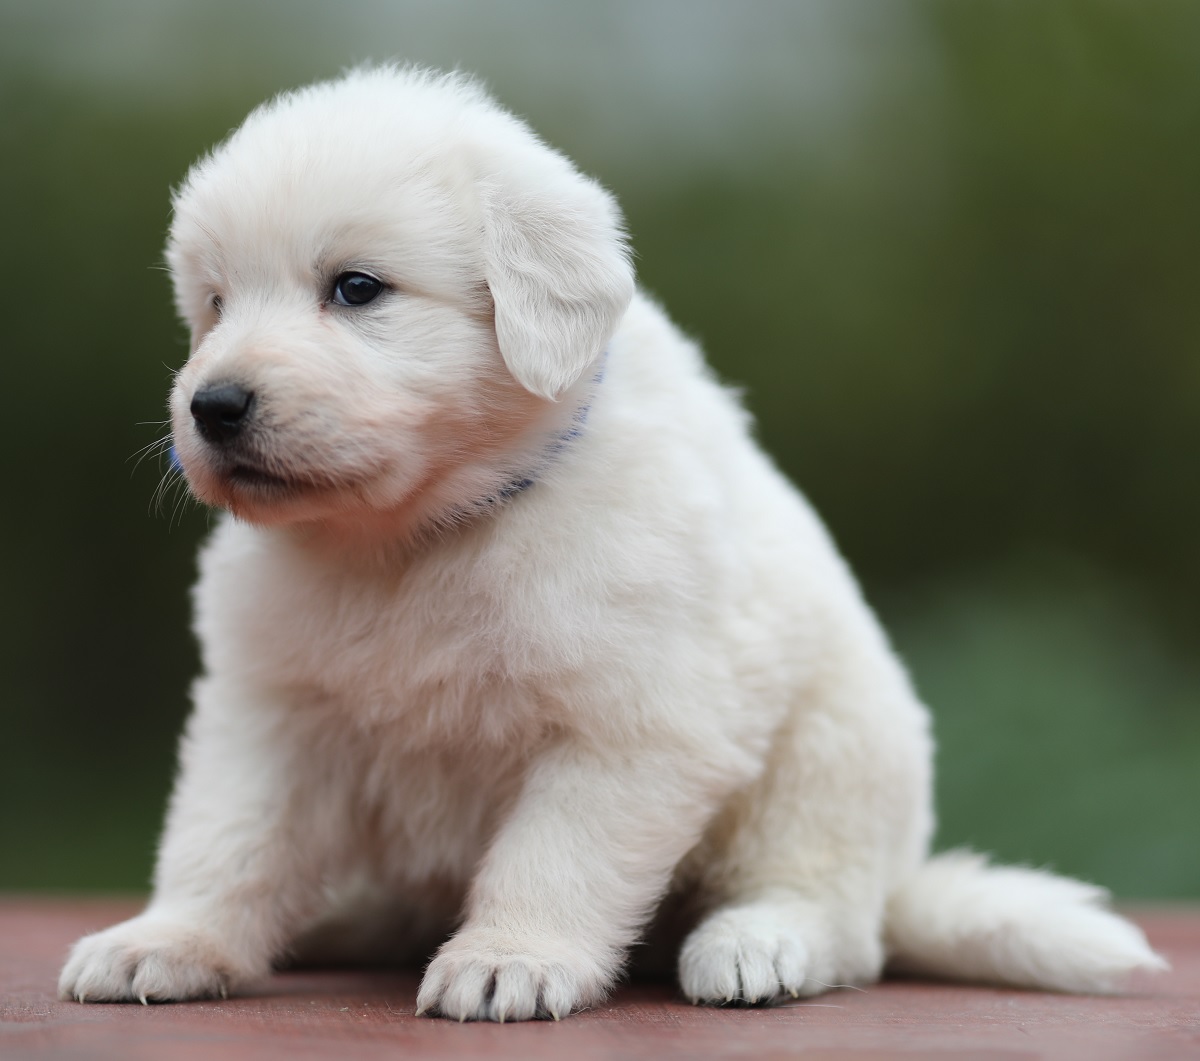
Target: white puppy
{"points": [[513, 627]]}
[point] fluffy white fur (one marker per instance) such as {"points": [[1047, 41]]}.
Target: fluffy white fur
{"points": [[436, 701]]}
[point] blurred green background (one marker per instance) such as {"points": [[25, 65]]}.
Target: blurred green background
{"points": [[950, 250]]}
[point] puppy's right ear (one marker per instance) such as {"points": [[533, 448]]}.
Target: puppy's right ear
{"points": [[558, 268]]}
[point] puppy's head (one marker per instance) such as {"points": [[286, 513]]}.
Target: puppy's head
{"points": [[389, 282]]}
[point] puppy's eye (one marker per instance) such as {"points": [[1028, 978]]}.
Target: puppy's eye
{"points": [[216, 303], [356, 289]]}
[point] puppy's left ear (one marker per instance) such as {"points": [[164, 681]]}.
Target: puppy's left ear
{"points": [[558, 268]]}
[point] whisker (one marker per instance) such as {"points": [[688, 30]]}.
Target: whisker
{"points": [[159, 495], [159, 446], [842, 987], [172, 479], [809, 1005], [181, 503]]}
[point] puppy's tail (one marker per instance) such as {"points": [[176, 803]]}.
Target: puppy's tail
{"points": [[959, 918]]}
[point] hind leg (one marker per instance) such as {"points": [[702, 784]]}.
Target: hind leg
{"points": [[795, 872]]}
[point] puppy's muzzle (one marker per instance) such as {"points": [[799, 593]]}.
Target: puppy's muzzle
{"points": [[221, 411]]}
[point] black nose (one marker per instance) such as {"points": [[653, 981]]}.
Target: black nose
{"points": [[221, 410]]}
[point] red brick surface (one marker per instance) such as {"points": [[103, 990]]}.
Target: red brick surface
{"points": [[352, 1015]]}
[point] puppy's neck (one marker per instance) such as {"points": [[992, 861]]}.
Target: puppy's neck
{"points": [[549, 452]]}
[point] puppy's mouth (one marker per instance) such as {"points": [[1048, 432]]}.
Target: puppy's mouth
{"points": [[246, 475], [264, 492], [253, 481], [253, 474]]}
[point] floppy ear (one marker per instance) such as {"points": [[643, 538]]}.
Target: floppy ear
{"points": [[558, 268]]}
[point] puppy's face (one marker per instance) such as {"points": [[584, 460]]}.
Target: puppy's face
{"points": [[386, 278]]}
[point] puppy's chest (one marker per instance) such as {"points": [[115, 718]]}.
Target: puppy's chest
{"points": [[438, 659]]}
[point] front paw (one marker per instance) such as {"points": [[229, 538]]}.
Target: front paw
{"points": [[148, 959], [487, 975]]}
